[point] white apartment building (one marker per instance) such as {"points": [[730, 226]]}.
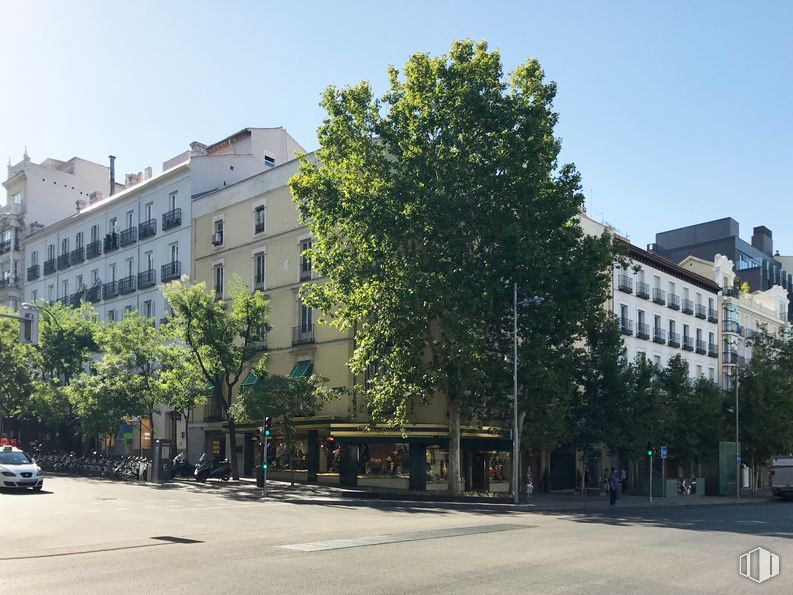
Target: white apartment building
{"points": [[116, 251], [743, 314], [666, 310], [36, 195]]}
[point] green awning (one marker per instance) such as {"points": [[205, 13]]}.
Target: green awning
{"points": [[250, 379], [302, 369]]}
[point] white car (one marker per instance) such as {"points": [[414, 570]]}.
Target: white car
{"points": [[17, 470]]}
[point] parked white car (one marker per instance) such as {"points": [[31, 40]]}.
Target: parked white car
{"points": [[17, 470]]}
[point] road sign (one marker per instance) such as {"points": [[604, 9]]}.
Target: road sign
{"points": [[663, 452]]}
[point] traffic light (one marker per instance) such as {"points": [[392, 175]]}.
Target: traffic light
{"points": [[649, 450], [268, 426], [29, 328]]}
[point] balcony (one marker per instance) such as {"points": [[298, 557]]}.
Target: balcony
{"points": [[94, 294], [674, 340], [109, 290], [643, 290], [111, 242], [171, 219], [93, 249], [659, 296], [63, 262], [9, 282], [732, 292], [259, 227], [302, 335], [8, 245], [688, 307], [147, 229], [33, 272], [712, 350], [713, 315], [126, 284], [170, 271], [305, 274], [625, 283], [701, 347], [626, 326], [731, 326], [258, 283], [659, 336], [673, 302], [147, 279], [688, 344], [643, 331], [49, 266], [701, 311], [77, 255], [732, 359], [128, 237], [76, 298]]}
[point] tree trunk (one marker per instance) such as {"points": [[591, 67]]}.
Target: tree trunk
{"points": [[235, 473], [453, 472], [187, 435]]}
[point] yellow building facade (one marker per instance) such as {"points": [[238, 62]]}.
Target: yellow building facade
{"points": [[251, 229]]}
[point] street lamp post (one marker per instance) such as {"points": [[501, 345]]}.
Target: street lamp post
{"points": [[536, 300], [737, 442]]}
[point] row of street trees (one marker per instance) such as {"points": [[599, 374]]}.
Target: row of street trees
{"points": [[84, 376]]}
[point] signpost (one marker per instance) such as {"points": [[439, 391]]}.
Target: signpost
{"points": [[650, 454], [266, 427], [663, 471]]}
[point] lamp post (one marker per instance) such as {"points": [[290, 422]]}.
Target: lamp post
{"points": [[536, 300], [737, 442]]}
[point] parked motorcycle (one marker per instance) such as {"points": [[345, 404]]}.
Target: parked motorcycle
{"points": [[180, 466], [217, 469]]}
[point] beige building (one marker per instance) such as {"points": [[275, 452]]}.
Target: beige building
{"points": [[251, 229]]}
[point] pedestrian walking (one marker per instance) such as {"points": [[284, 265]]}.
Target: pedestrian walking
{"points": [[614, 483]]}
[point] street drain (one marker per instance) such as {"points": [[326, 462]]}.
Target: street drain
{"points": [[172, 539]]}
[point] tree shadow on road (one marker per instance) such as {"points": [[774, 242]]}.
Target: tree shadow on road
{"points": [[769, 519]]}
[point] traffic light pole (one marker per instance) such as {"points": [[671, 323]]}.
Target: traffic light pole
{"points": [[651, 478], [264, 468]]}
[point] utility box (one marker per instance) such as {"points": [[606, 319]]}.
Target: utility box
{"points": [[162, 461]]}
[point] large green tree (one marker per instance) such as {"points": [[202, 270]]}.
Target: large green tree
{"points": [[426, 207], [17, 366], [222, 338]]}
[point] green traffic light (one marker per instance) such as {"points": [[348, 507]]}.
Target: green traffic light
{"points": [[264, 466], [649, 453], [267, 432]]}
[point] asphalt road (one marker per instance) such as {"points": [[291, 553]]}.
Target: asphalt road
{"points": [[95, 536]]}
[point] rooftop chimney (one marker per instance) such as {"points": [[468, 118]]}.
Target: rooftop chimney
{"points": [[112, 174], [762, 240]]}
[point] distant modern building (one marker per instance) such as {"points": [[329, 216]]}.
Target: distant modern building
{"points": [[756, 263], [38, 194]]}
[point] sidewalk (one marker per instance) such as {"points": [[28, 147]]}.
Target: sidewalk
{"points": [[325, 494]]}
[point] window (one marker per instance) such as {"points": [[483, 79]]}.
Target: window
{"points": [[79, 282], [258, 271], [7, 235], [710, 339], [113, 272], [306, 318], [710, 303], [51, 293], [65, 286], [641, 317], [699, 335], [712, 374], [94, 233], [305, 262], [148, 210], [130, 267], [217, 235], [699, 371], [34, 295], [78, 240], [94, 276], [111, 315], [218, 276], [657, 282], [130, 215], [623, 312], [699, 298], [172, 201], [657, 360], [17, 198], [50, 251], [65, 246], [259, 219], [34, 258], [149, 261], [657, 322], [269, 161], [685, 331], [114, 225], [148, 309], [174, 249]]}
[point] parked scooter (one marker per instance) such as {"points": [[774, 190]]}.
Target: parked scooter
{"points": [[180, 466], [217, 469]]}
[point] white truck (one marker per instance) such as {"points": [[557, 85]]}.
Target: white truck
{"points": [[782, 477]]}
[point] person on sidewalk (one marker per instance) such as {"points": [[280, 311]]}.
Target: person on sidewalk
{"points": [[614, 483]]}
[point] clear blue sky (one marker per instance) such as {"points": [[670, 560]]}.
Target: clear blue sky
{"points": [[674, 112]]}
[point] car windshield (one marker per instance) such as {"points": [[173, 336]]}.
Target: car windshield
{"points": [[14, 458]]}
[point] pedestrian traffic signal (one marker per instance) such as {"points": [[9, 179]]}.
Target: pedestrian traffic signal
{"points": [[268, 425], [649, 452]]}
